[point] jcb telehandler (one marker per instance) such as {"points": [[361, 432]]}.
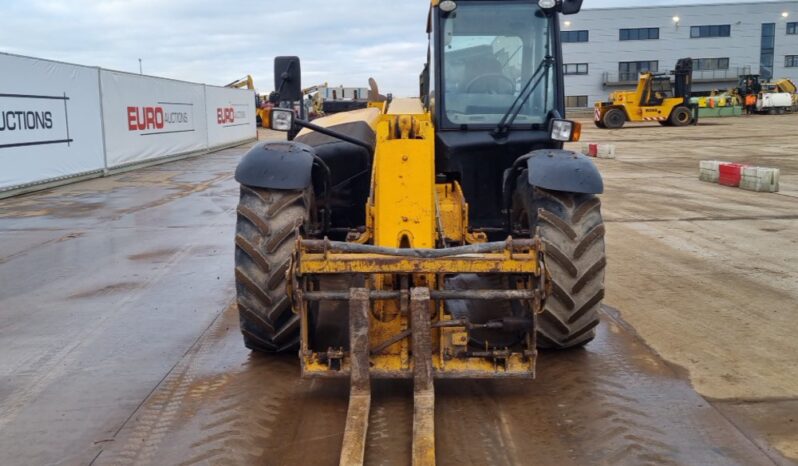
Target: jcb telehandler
{"points": [[654, 99], [449, 236]]}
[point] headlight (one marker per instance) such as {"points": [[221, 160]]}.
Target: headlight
{"points": [[547, 4], [282, 119], [565, 130]]}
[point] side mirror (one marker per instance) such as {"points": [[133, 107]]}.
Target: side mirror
{"points": [[281, 119], [571, 7], [288, 79]]}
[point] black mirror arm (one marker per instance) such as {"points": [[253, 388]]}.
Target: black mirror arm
{"points": [[333, 134]]}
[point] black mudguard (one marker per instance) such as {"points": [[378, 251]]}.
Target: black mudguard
{"points": [[277, 165], [562, 170]]}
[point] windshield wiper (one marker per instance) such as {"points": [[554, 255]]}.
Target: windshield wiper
{"points": [[542, 71]]}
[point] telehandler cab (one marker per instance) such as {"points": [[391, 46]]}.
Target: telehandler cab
{"points": [[449, 236]]}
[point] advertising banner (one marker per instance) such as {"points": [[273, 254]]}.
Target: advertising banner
{"points": [[50, 124], [231, 115], [147, 118]]}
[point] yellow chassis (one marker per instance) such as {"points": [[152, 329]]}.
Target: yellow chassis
{"points": [[416, 234]]}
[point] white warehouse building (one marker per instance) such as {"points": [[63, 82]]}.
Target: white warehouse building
{"points": [[604, 49]]}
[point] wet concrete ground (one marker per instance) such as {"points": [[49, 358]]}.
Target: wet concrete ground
{"points": [[614, 403], [120, 345], [708, 274], [104, 285]]}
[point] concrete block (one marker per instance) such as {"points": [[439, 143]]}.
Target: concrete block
{"points": [[708, 170], [600, 150], [760, 179], [730, 174], [606, 151]]}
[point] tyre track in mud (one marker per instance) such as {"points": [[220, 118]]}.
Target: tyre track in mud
{"points": [[613, 403], [224, 405]]}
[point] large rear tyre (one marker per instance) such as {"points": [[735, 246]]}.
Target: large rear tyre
{"points": [[614, 118], [680, 116], [266, 229], [572, 230]]}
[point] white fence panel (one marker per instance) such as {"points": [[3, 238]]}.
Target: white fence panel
{"points": [[231, 115], [146, 118], [50, 125]]}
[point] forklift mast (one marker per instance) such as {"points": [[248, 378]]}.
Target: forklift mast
{"points": [[683, 85]]}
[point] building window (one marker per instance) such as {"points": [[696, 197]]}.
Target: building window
{"points": [[792, 28], [574, 68], [639, 34], [791, 61], [767, 51], [576, 101], [574, 36], [720, 30], [706, 64], [629, 70]]}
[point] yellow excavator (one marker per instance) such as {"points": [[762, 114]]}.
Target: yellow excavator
{"points": [[316, 100], [654, 99], [262, 108], [445, 236]]}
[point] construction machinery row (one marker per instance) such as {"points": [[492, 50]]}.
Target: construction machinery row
{"points": [[671, 103], [446, 236], [774, 97], [320, 100]]}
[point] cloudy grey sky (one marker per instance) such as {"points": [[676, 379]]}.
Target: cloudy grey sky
{"points": [[339, 41]]}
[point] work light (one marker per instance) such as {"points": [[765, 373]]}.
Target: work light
{"points": [[282, 119], [547, 4], [565, 130]]}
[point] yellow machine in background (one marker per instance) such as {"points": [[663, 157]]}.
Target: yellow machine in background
{"points": [[770, 97], [785, 85], [315, 109], [654, 99], [262, 108], [788, 86]]}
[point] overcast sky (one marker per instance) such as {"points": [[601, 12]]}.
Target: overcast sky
{"points": [[339, 41]]}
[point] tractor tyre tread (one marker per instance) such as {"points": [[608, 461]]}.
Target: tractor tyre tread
{"points": [[572, 230], [266, 227]]}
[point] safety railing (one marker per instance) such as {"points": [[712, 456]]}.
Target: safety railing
{"points": [[699, 76]]}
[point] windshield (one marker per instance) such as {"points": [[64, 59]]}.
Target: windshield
{"points": [[490, 51]]}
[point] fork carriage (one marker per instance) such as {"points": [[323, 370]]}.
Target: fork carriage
{"points": [[390, 278]]}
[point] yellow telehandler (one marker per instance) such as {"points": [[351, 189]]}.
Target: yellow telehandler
{"points": [[446, 236]]}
